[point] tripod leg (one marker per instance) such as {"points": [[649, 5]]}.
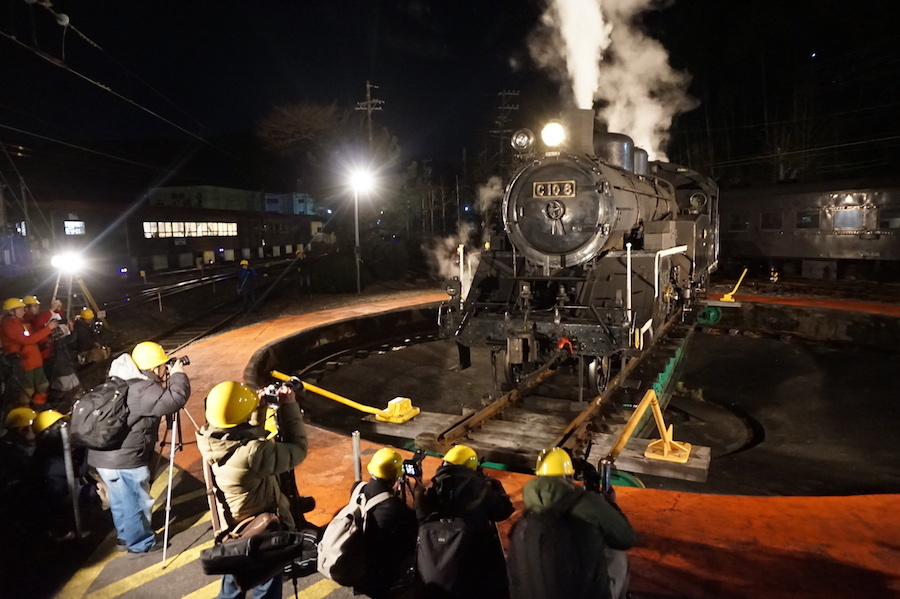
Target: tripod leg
{"points": [[169, 490]]}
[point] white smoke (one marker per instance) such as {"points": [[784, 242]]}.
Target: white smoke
{"points": [[444, 252], [596, 46]]}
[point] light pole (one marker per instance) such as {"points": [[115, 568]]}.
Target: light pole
{"points": [[360, 181]]}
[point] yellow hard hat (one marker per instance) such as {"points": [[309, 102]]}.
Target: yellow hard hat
{"points": [[229, 404], [30, 300], [462, 455], [271, 425], [148, 355], [13, 303], [45, 420], [87, 314], [20, 417], [245, 263], [386, 464], [554, 462]]}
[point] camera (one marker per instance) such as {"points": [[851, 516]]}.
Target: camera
{"points": [[412, 468], [183, 359]]}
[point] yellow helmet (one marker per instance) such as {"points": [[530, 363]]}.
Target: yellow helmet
{"points": [[230, 403], [245, 263], [12, 303], [30, 300], [462, 455], [88, 314], [554, 462], [45, 420], [271, 425], [20, 417], [386, 464], [148, 355]]}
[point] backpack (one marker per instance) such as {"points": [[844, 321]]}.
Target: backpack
{"points": [[543, 558], [342, 550], [100, 416], [441, 545]]}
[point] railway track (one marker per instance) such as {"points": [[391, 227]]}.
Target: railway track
{"points": [[545, 410]]}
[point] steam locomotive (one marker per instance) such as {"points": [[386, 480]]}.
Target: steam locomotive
{"points": [[600, 249]]}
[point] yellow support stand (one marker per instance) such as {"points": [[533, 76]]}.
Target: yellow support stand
{"points": [[398, 411], [729, 297], [665, 448]]}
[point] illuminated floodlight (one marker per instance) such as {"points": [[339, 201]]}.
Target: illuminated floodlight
{"points": [[553, 134], [69, 262], [522, 140], [361, 181]]}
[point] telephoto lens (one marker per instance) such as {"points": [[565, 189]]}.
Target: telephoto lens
{"points": [[183, 359]]}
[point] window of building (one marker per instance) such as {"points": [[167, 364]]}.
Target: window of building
{"points": [[189, 229], [889, 218], [738, 222], [807, 219], [770, 221], [851, 218], [74, 227]]}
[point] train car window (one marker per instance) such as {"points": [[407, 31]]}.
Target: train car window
{"points": [[177, 229], [889, 218], [850, 218], [738, 222], [771, 221], [73, 227], [807, 219], [150, 230], [190, 229]]}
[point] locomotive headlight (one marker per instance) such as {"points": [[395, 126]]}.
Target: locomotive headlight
{"points": [[553, 134], [522, 140]]}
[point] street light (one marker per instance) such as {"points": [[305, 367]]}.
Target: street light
{"points": [[361, 181]]}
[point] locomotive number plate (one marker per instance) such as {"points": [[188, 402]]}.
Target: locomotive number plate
{"points": [[553, 189]]}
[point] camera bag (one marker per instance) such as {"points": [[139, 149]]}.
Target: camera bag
{"points": [[100, 416]]}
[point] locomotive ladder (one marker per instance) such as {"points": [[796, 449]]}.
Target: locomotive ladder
{"points": [[516, 427]]}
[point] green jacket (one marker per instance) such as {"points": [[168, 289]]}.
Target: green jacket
{"points": [[246, 466], [604, 525]]}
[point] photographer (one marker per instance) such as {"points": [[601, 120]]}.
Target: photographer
{"points": [[462, 503], [157, 387], [246, 466], [390, 533], [86, 338], [570, 542]]}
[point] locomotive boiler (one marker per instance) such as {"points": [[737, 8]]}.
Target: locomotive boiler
{"points": [[600, 249]]}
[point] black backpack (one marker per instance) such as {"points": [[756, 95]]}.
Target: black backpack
{"points": [[543, 558], [100, 416]]}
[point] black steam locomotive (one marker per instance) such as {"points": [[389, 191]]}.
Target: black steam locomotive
{"points": [[601, 248]]}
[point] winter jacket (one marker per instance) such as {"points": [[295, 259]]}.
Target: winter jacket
{"points": [[246, 466], [36, 322], [148, 401], [18, 338], [390, 537], [480, 500], [603, 525]]}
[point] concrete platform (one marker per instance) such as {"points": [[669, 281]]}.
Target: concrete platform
{"points": [[693, 545]]}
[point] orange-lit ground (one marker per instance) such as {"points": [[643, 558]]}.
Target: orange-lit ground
{"points": [[693, 545]]}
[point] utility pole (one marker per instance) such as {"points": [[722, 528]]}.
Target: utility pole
{"points": [[502, 128], [27, 228], [370, 105]]}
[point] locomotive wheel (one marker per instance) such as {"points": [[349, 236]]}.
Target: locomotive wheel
{"points": [[507, 375], [598, 372]]}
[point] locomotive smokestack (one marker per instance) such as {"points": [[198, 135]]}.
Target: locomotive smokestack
{"points": [[580, 125]]}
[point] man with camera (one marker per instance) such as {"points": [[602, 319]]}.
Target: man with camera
{"points": [[157, 387], [246, 466], [391, 528]]}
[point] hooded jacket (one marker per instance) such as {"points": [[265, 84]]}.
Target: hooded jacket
{"points": [[148, 401], [603, 524], [246, 466]]}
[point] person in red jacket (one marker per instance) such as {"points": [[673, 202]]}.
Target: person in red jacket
{"points": [[35, 319], [20, 344]]}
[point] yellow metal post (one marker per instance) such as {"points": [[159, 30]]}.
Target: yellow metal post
{"points": [[398, 411], [665, 448], [729, 297]]}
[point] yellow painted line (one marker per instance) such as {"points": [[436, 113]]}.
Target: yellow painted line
{"points": [[210, 591], [84, 577], [319, 590], [148, 574]]}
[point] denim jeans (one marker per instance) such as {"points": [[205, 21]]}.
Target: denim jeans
{"points": [[130, 504], [271, 589]]}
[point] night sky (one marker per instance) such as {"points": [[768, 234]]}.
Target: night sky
{"points": [[214, 69]]}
